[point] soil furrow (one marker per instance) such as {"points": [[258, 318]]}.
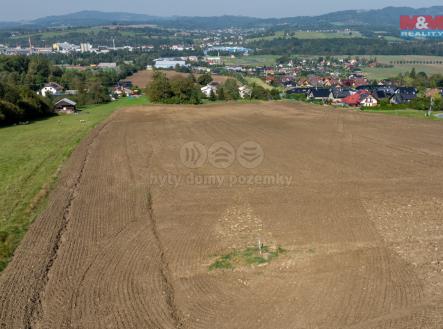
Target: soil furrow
{"points": [[34, 308], [164, 267]]}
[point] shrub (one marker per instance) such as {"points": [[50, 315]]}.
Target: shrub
{"points": [[160, 88], [204, 79], [230, 90], [258, 92], [9, 113], [176, 91]]}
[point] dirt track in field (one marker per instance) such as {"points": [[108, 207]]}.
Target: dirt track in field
{"points": [[361, 220]]}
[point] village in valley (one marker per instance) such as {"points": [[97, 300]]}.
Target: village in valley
{"points": [[242, 54], [339, 81]]}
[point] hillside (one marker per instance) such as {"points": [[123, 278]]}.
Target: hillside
{"points": [[386, 17]]}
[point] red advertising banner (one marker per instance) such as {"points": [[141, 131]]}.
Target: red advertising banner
{"points": [[421, 23]]}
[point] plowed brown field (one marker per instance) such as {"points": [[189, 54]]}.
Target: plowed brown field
{"points": [[361, 222], [144, 78]]}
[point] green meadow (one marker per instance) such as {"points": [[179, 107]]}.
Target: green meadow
{"points": [[30, 157]]}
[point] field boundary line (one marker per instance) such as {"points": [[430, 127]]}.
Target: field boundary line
{"points": [[34, 310]]}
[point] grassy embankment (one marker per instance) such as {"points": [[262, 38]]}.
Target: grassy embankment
{"points": [[30, 156], [410, 113]]}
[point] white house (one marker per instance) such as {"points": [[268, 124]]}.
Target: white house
{"points": [[245, 91], [85, 47], [214, 60], [51, 88], [212, 87], [369, 101]]}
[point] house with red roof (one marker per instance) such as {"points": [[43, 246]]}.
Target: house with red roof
{"points": [[357, 98]]}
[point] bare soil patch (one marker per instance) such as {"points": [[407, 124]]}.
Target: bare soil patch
{"points": [[143, 78], [360, 224]]}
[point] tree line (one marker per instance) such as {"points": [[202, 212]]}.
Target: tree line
{"points": [[187, 90], [355, 46]]}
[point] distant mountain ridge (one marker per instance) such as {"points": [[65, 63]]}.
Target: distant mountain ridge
{"points": [[388, 17], [93, 18]]}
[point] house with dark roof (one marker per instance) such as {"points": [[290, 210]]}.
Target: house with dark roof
{"points": [[384, 92], [380, 94], [298, 91], [403, 95], [367, 87], [402, 98], [65, 106], [319, 94], [406, 90], [337, 94]]}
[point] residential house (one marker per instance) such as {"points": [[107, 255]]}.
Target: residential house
{"points": [[315, 81], [303, 82], [210, 89], [319, 94], [357, 98], [288, 81], [406, 90], [121, 91], [368, 101], [298, 91], [356, 82], [380, 94], [402, 98], [404, 95], [51, 88], [338, 94], [352, 100], [65, 106], [214, 60], [245, 92], [331, 82], [367, 87]]}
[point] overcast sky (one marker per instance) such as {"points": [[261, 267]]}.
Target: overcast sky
{"points": [[28, 9]]}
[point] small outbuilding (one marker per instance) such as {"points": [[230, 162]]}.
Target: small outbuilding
{"points": [[66, 106]]}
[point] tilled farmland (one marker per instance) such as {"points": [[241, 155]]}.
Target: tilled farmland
{"points": [[267, 215]]}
